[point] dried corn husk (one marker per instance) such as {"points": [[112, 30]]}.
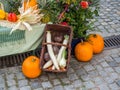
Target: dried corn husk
{"points": [[27, 17]]}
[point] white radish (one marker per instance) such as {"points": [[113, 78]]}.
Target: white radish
{"points": [[47, 64], [50, 51], [65, 41]]}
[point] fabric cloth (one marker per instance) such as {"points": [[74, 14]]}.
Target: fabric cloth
{"points": [[20, 41]]}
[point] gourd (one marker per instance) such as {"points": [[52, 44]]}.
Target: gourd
{"points": [[97, 43], [2, 14], [31, 67], [83, 51]]}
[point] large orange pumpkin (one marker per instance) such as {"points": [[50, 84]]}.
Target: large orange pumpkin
{"points": [[31, 67], [83, 51], [97, 42]]}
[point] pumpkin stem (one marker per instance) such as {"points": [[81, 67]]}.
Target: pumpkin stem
{"points": [[33, 59], [94, 35], [81, 40]]}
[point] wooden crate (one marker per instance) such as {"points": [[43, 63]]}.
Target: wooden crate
{"points": [[55, 29]]}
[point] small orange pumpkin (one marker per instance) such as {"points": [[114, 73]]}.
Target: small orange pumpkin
{"points": [[97, 43], [83, 51], [31, 67]]}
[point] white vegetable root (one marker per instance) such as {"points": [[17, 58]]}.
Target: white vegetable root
{"points": [[65, 42], [50, 51], [47, 64]]}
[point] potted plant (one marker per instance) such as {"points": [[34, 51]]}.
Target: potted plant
{"points": [[76, 13]]}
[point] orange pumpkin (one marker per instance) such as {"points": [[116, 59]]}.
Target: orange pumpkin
{"points": [[31, 67], [83, 51], [97, 43]]}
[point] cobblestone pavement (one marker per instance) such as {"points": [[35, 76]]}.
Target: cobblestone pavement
{"points": [[101, 73]]}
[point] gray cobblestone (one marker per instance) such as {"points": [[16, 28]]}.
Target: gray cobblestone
{"points": [[22, 83], [109, 80], [2, 86], [104, 64], [72, 77], [114, 86], [20, 76], [46, 85], [25, 88], [57, 81], [98, 80], [77, 83], [103, 73], [103, 87], [117, 69], [69, 87], [117, 59], [89, 84], [39, 88], [11, 82], [109, 70], [89, 67], [118, 83], [65, 81], [10, 76], [58, 87], [113, 64], [13, 88]]}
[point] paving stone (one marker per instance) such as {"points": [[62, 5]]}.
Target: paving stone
{"points": [[104, 23], [20, 76], [77, 83], [85, 77], [93, 74], [114, 76], [103, 87], [104, 64], [103, 73], [89, 84], [10, 76], [35, 85], [98, 80], [13, 88], [22, 83], [38, 89], [117, 59], [118, 83], [57, 81], [46, 84], [81, 72], [109, 70], [72, 77], [26, 88], [113, 64], [109, 80], [2, 86], [114, 86], [68, 87], [65, 81], [89, 67], [44, 78], [2, 80], [58, 87], [117, 69], [11, 82]]}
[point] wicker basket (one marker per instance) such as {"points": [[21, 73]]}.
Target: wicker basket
{"points": [[63, 30]]}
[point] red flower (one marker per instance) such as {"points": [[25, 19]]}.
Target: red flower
{"points": [[84, 4], [64, 23]]}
